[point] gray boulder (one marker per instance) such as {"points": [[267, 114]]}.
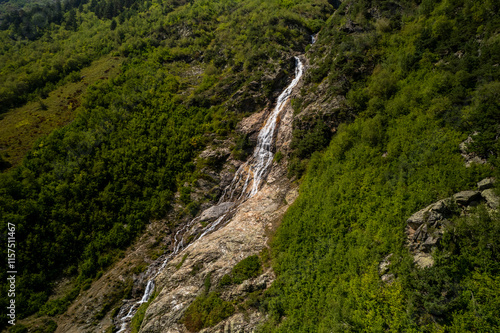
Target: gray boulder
{"points": [[216, 211], [464, 198], [430, 214], [491, 198], [485, 184]]}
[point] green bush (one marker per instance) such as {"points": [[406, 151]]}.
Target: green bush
{"points": [[18, 328], [138, 318], [278, 156], [249, 267], [226, 280], [417, 91], [206, 311], [242, 148]]}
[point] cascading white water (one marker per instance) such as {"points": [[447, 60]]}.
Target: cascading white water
{"points": [[150, 286], [256, 170], [314, 38], [178, 247], [258, 165], [262, 152]]}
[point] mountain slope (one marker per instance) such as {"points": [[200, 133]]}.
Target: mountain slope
{"points": [[418, 78], [85, 192], [394, 95]]}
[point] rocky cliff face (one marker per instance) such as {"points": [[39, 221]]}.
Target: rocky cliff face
{"points": [[245, 233]]}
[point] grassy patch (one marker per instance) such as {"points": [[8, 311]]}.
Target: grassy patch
{"points": [[184, 257], [22, 126]]}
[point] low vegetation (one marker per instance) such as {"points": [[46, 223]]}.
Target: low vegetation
{"points": [[208, 309], [420, 77], [249, 267], [205, 311], [85, 191]]}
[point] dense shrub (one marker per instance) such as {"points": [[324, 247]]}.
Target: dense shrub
{"points": [[206, 311], [418, 90]]}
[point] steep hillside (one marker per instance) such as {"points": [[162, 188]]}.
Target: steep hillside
{"points": [[191, 71], [226, 174], [417, 79]]}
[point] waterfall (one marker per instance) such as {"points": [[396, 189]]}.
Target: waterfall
{"points": [[258, 165], [256, 169]]}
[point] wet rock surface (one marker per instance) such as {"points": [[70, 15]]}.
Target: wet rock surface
{"points": [[244, 235], [243, 231], [216, 211]]}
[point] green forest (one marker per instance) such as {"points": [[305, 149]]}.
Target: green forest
{"points": [[415, 79], [416, 100], [83, 193]]}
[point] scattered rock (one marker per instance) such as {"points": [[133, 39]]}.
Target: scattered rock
{"points": [[383, 267], [254, 85], [387, 278], [244, 233], [470, 157], [245, 287], [426, 227], [464, 198], [430, 214], [423, 260], [252, 124], [491, 198], [264, 281], [218, 153], [486, 183], [216, 211]]}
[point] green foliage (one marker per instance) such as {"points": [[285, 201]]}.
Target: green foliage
{"points": [[184, 257], [482, 115], [196, 268], [206, 310], [18, 328], [60, 305], [278, 156], [460, 290], [418, 88], [296, 167], [47, 326], [226, 280], [242, 148], [136, 322], [307, 141], [249, 267], [207, 282], [121, 291], [4, 164]]}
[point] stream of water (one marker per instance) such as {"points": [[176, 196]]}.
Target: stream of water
{"points": [[253, 172], [257, 167]]}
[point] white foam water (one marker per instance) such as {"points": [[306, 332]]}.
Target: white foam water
{"points": [[256, 170], [257, 166]]}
